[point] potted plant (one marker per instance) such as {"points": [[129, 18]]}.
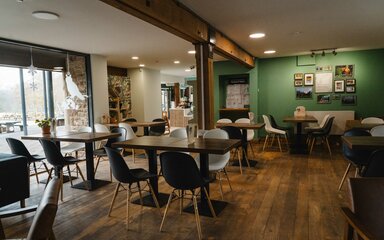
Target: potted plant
{"points": [[45, 125]]}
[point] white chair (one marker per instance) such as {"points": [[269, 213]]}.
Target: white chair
{"points": [[130, 134], [100, 128], [75, 147], [217, 162], [179, 133], [378, 131], [224, 120], [273, 132], [372, 120], [250, 133]]}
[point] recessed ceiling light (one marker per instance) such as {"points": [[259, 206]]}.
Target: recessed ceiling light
{"points": [[176, 62], [141, 65], [270, 52], [45, 15], [192, 52], [135, 57], [187, 70], [257, 35]]}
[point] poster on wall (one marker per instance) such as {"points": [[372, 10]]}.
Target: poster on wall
{"points": [[323, 83], [237, 95]]}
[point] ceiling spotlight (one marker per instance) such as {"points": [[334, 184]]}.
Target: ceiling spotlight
{"points": [[312, 54], [44, 15], [176, 62], [141, 65], [269, 51], [135, 58], [323, 54], [334, 52], [257, 35], [191, 52]]}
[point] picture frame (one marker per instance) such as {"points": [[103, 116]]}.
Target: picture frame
{"points": [[336, 97], [349, 100], [308, 79], [350, 89], [304, 92], [298, 83], [298, 76], [324, 99], [350, 82], [339, 86], [344, 71]]}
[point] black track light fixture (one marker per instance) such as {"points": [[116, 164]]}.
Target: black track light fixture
{"points": [[323, 51], [323, 54], [334, 52], [312, 54]]}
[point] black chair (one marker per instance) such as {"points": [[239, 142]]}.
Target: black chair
{"points": [[357, 158], [101, 153], [181, 173], [157, 130], [128, 120], [375, 166], [41, 227], [58, 161], [123, 174], [17, 147], [274, 124], [323, 134], [235, 133]]}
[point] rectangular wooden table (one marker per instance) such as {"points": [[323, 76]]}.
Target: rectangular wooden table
{"points": [[299, 147], [202, 146], [349, 124], [244, 142], [363, 142], [87, 139]]}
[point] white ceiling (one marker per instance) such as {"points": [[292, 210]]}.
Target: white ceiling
{"points": [[292, 27]]}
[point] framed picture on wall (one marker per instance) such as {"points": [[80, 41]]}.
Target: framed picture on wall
{"points": [[298, 83], [339, 86], [349, 100], [298, 76], [303, 92], [344, 71], [350, 82], [350, 89], [323, 99], [308, 79]]}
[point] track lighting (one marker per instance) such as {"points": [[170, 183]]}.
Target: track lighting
{"points": [[323, 51]]}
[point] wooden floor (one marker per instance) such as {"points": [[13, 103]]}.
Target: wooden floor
{"points": [[284, 197]]}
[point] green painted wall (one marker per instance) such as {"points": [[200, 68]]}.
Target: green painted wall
{"points": [[273, 78]]}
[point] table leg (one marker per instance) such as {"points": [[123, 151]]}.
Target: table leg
{"points": [[161, 197], [146, 131], [299, 147], [91, 182], [204, 210]]}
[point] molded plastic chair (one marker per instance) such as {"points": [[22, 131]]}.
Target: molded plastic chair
{"points": [[181, 173], [101, 153], [235, 133], [375, 166], [100, 128], [157, 130], [322, 133], [58, 161], [357, 158], [365, 215], [128, 120], [271, 131], [275, 125], [250, 133], [130, 134], [224, 120], [372, 120], [123, 174], [75, 147], [377, 131], [18, 147], [41, 227], [179, 133]]}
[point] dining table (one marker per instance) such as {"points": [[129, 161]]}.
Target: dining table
{"points": [[363, 142], [299, 146], [202, 146], [350, 124], [244, 140], [144, 125], [88, 139]]}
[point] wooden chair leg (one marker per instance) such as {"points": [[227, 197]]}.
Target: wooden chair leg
{"points": [[114, 198], [226, 175], [278, 141], [141, 196], [240, 165], [61, 183], [129, 193], [329, 148], [36, 175], [265, 142], [154, 196], [82, 177], [209, 203], [166, 210], [97, 164], [69, 174], [345, 175], [197, 218], [220, 186], [312, 144]]}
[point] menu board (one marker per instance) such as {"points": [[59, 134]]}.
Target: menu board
{"points": [[237, 95]]}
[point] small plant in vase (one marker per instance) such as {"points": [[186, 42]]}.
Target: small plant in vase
{"points": [[45, 125]]}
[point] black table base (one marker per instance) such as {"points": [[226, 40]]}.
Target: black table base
{"points": [[204, 210], [162, 198], [92, 185]]}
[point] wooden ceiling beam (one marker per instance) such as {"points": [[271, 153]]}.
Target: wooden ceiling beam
{"points": [[176, 18]]}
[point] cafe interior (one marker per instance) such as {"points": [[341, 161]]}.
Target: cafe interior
{"points": [[181, 119]]}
